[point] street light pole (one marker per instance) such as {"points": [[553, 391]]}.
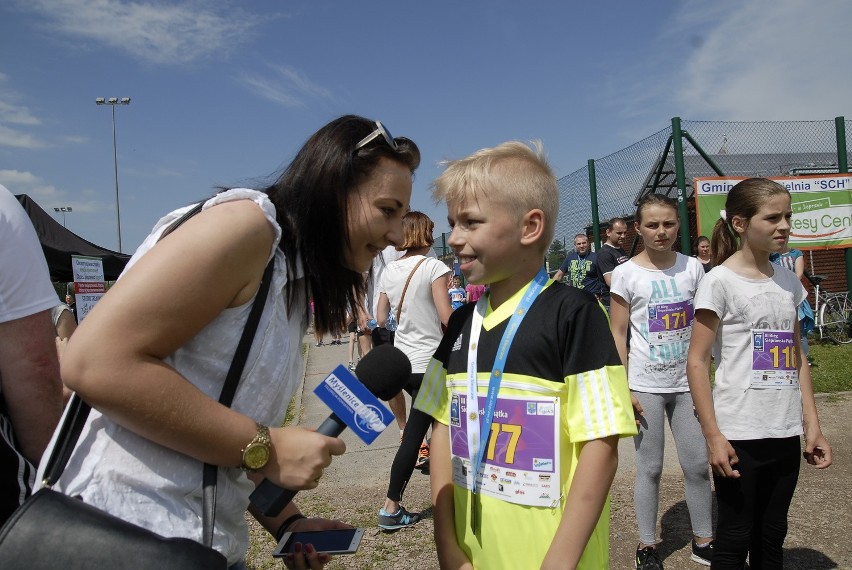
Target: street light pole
{"points": [[112, 102], [64, 210]]}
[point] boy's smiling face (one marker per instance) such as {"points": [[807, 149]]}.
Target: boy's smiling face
{"points": [[486, 238]]}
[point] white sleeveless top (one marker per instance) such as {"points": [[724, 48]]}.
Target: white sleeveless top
{"points": [[160, 489]]}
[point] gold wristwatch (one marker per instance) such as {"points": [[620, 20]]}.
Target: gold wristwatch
{"points": [[256, 453]]}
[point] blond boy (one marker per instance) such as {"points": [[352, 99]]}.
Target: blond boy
{"points": [[561, 402]]}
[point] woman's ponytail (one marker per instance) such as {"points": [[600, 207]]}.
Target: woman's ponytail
{"points": [[724, 242]]}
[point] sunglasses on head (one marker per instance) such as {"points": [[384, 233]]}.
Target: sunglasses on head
{"points": [[380, 131]]}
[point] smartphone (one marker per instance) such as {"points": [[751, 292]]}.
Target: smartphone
{"points": [[338, 541]]}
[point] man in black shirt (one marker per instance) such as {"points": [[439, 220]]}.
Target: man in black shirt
{"points": [[611, 256]]}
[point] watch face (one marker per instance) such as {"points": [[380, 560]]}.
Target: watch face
{"points": [[256, 455]]}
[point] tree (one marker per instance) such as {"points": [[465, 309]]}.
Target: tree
{"points": [[556, 254]]}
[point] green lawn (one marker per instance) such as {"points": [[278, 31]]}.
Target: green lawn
{"points": [[832, 366]]}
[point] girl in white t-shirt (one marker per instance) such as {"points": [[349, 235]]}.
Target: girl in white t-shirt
{"points": [[762, 398], [652, 293]]}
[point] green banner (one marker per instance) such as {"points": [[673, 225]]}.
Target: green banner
{"points": [[822, 207]]}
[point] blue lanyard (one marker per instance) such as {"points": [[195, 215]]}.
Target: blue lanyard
{"points": [[518, 315]]}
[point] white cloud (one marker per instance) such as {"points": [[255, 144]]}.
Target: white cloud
{"points": [[737, 60], [13, 114], [19, 182], [74, 139], [286, 86], [273, 91], [16, 114], [156, 31], [47, 195], [13, 138], [766, 60]]}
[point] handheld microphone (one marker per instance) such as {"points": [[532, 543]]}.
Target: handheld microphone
{"points": [[383, 371]]}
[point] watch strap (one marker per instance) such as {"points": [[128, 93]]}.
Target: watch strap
{"points": [[261, 436]]}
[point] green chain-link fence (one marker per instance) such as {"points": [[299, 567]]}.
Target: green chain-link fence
{"points": [[611, 186]]}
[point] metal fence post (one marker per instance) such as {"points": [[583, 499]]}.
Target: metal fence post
{"points": [[677, 139], [843, 167], [593, 195]]}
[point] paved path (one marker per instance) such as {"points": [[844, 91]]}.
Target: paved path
{"points": [[361, 464]]}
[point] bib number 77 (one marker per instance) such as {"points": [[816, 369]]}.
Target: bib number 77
{"points": [[514, 431]]}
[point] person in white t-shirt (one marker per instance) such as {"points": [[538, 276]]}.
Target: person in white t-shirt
{"points": [[30, 388], [762, 397], [415, 288], [652, 293]]}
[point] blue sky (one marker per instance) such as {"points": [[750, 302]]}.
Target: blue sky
{"points": [[224, 92]]}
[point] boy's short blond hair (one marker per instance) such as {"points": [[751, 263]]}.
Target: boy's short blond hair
{"points": [[513, 174]]}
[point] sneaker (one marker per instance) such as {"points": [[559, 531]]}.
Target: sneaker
{"points": [[702, 555], [400, 519], [422, 456], [351, 365], [648, 559], [319, 343]]}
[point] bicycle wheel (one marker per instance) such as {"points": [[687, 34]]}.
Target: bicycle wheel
{"points": [[836, 317]]}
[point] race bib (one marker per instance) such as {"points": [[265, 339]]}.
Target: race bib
{"points": [[670, 322], [521, 462], [774, 357]]}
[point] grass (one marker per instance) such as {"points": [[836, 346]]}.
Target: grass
{"points": [[831, 367]]}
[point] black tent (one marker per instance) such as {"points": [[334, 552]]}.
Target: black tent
{"points": [[59, 244]]}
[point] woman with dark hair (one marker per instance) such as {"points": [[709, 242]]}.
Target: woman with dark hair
{"points": [[703, 253], [152, 356], [414, 288]]}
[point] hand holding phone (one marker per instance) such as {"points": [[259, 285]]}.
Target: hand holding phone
{"points": [[337, 541]]}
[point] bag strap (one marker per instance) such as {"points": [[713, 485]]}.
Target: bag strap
{"points": [[211, 472], [179, 222], [404, 289]]}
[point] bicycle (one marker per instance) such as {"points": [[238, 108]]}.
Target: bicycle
{"points": [[832, 312]]}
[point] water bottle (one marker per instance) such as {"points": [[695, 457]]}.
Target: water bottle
{"points": [[371, 324]]}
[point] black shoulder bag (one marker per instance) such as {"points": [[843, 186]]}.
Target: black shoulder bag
{"points": [[53, 530]]}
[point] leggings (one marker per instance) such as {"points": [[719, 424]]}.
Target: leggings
{"points": [[415, 430], [691, 452], [753, 508]]}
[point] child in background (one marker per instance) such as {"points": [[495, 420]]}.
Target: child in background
{"points": [[652, 293], [557, 400], [762, 398], [457, 294], [473, 292], [355, 335], [794, 260]]}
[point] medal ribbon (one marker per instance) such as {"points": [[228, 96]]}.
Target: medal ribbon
{"points": [[475, 444]]}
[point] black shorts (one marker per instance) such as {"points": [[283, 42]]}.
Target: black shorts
{"points": [[381, 336]]}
